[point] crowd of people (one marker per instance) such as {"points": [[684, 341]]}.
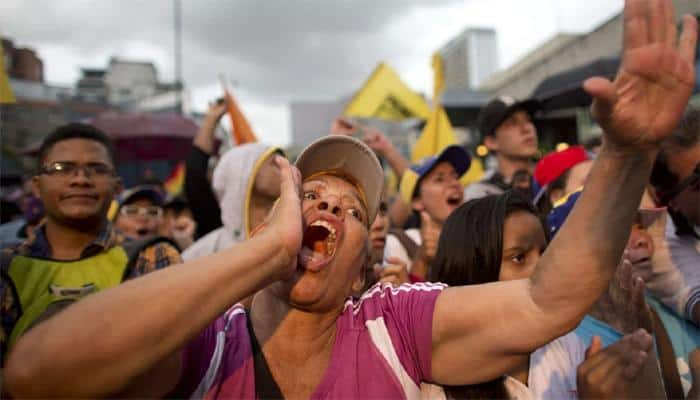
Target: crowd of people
{"points": [[576, 276]]}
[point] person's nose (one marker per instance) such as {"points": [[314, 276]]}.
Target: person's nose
{"points": [[640, 242], [378, 224], [80, 178], [455, 183], [330, 204]]}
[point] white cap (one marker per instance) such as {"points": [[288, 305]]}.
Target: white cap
{"points": [[350, 156]]}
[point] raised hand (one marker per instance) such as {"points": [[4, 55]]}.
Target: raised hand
{"points": [[623, 306], [343, 126], [609, 373], [216, 110], [650, 92], [377, 141], [285, 221], [395, 273], [207, 130], [430, 235]]}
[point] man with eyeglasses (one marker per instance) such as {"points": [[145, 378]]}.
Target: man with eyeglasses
{"points": [[673, 273], [76, 251], [140, 212]]}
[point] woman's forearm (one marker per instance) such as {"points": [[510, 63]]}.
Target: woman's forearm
{"points": [[121, 333], [205, 135], [396, 161]]}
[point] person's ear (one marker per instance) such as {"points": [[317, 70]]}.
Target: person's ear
{"points": [[491, 143], [556, 195]]}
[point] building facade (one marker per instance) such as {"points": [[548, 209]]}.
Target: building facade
{"points": [[469, 58]]}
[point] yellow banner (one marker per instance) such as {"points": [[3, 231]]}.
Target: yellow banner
{"points": [[437, 133], [6, 95], [385, 96]]}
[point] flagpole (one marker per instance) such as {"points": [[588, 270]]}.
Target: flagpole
{"points": [[177, 25]]}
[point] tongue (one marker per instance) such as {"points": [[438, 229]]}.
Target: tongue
{"points": [[320, 246]]}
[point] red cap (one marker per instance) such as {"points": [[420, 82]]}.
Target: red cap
{"points": [[554, 164]]}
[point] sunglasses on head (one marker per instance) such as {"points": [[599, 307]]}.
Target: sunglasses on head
{"points": [[692, 182]]}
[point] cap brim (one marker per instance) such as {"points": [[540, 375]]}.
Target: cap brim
{"points": [[141, 193], [350, 156], [531, 106]]}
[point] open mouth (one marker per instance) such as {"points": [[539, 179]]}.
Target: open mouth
{"points": [[454, 200], [318, 245], [142, 232]]}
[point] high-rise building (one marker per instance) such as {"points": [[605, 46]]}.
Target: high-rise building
{"points": [[469, 58]]}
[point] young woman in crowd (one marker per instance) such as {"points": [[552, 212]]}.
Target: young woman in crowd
{"points": [[501, 238]]}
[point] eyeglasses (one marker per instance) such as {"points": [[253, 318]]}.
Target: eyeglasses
{"points": [[132, 210], [692, 182], [64, 169]]}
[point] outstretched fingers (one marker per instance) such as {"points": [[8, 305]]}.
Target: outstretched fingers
{"points": [[689, 38], [604, 96], [636, 353], [636, 24], [657, 12], [290, 178]]}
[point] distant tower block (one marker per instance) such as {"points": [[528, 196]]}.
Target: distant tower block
{"points": [[470, 58]]}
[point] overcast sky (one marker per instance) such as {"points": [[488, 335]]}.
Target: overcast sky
{"points": [[281, 50]]}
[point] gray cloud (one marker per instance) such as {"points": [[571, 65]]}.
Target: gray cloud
{"points": [[276, 49]]}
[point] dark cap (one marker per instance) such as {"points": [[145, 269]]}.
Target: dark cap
{"points": [[454, 154], [150, 192], [500, 108]]}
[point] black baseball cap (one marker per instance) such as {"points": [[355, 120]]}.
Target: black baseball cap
{"points": [[149, 192], [500, 108]]}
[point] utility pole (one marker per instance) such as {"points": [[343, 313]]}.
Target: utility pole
{"points": [[177, 13]]}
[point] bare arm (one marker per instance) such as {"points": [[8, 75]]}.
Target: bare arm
{"points": [[399, 212], [205, 135], [396, 161], [174, 305], [375, 139], [501, 322], [479, 332]]}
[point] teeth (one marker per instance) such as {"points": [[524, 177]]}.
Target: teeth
{"points": [[330, 244], [326, 225], [332, 235]]}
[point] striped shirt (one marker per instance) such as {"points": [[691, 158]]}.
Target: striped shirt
{"points": [[382, 349]]}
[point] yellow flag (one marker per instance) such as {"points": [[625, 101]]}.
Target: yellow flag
{"points": [[385, 96], [474, 173], [438, 77], [6, 95], [437, 133]]}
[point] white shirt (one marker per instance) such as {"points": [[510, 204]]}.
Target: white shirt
{"points": [[552, 373], [393, 247]]}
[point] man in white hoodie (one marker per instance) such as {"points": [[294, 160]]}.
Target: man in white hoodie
{"points": [[246, 182]]}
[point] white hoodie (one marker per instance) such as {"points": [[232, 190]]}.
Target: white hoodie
{"points": [[233, 183]]}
